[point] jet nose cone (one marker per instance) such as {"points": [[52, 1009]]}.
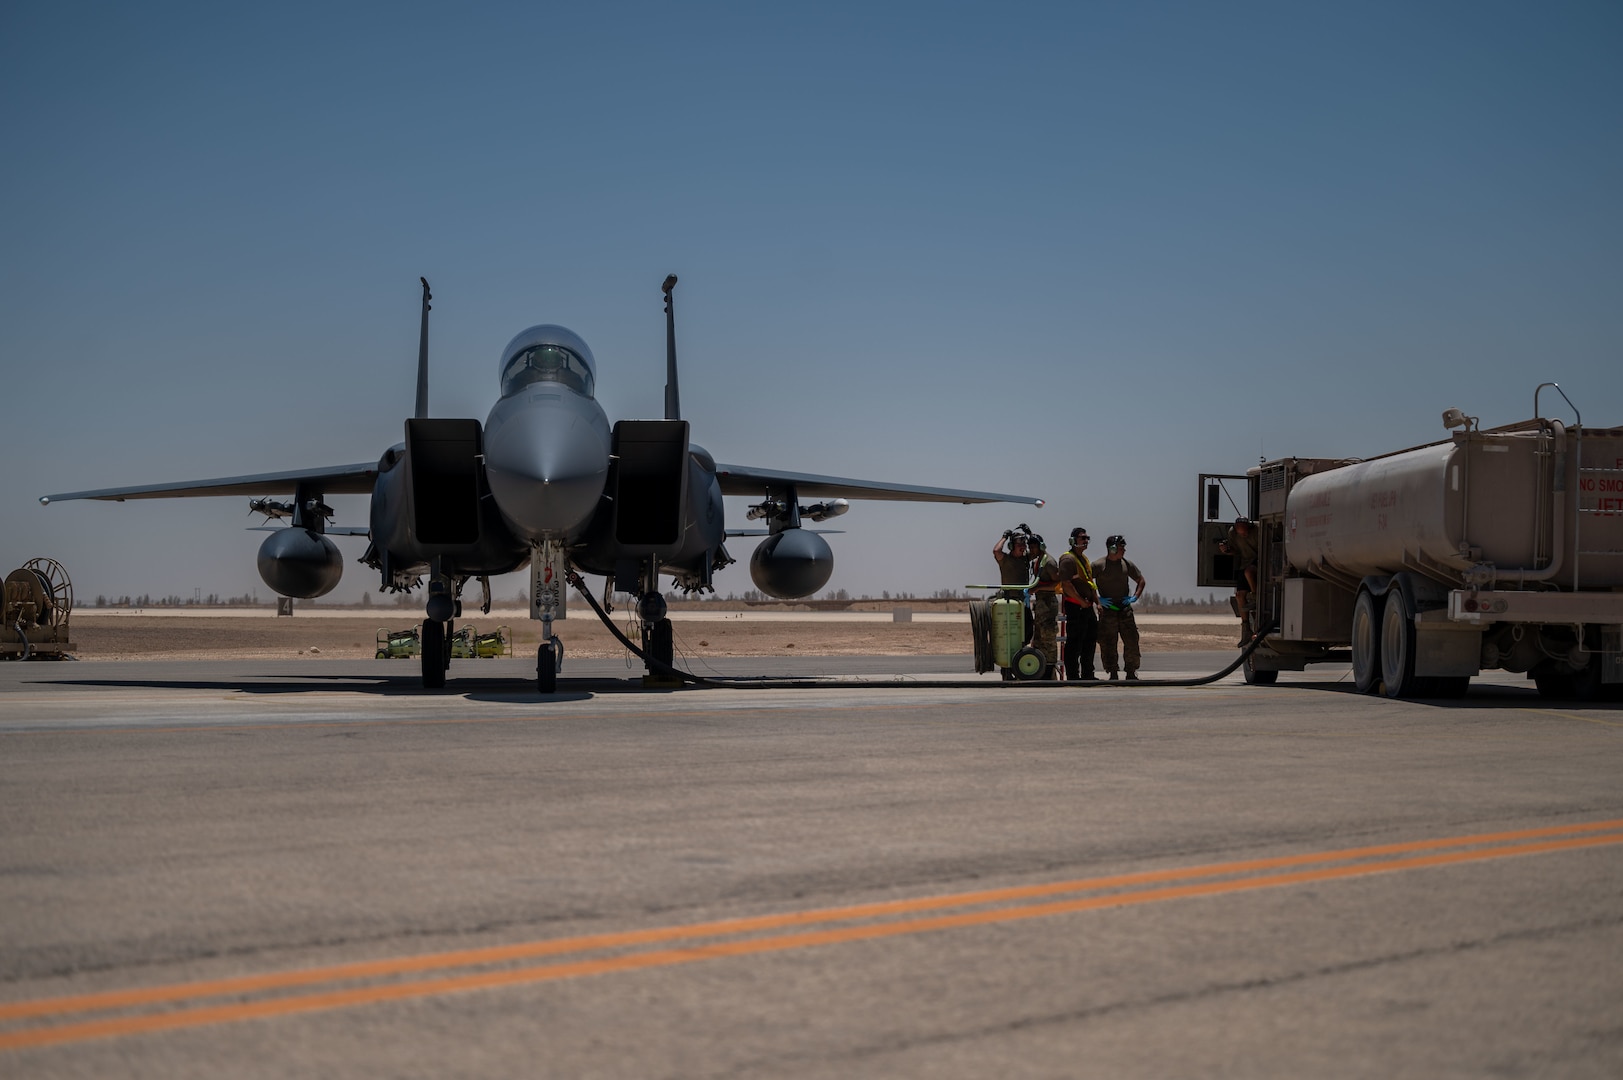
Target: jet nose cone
{"points": [[547, 459]]}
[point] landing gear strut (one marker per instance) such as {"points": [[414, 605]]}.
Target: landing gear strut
{"points": [[436, 639], [548, 571]]}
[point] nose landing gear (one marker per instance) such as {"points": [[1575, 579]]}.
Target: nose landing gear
{"points": [[444, 604], [548, 659]]}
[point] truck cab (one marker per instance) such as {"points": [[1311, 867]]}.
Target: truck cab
{"points": [[1302, 616]]}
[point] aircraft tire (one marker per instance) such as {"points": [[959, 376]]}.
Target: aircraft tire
{"points": [[433, 654], [661, 645], [546, 669]]}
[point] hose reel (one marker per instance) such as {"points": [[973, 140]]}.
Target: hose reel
{"points": [[34, 616]]}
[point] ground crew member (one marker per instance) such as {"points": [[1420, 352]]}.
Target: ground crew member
{"points": [[1242, 544], [1045, 608], [1014, 565], [1110, 577], [1014, 568], [1081, 617]]}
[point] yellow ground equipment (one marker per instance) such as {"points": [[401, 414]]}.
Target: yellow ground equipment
{"points": [[998, 627], [398, 644], [469, 643], [34, 619]]}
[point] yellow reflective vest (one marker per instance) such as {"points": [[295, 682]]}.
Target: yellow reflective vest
{"points": [[1086, 566]]}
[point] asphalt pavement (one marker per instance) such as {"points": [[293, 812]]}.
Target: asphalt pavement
{"points": [[313, 868]]}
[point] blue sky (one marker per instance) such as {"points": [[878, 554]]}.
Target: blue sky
{"points": [[1082, 251]]}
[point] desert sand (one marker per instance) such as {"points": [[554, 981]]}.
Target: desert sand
{"points": [[120, 635]]}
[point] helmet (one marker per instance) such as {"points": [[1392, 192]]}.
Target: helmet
{"points": [[1115, 543]]}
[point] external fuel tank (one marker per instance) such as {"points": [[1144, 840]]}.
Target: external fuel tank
{"points": [[1528, 503]]}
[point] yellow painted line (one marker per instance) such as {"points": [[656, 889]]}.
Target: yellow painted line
{"points": [[369, 995], [1575, 716], [525, 951]]}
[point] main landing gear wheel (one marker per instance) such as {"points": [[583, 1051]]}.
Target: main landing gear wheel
{"points": [[433, 654], [1366, 652], [1028, 664], [662, 644], [546, 668]]}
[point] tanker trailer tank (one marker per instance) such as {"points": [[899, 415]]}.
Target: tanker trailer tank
{"points": [[1495, 549], [1492, 504]]}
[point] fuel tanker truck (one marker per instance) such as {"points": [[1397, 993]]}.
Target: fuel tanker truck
{"points": [[1495, 548]]}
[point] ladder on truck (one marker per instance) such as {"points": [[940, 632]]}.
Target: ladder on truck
{"points": [[1598, 474]]}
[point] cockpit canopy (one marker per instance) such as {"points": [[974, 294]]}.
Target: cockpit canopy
{"points": [[548, 354]]}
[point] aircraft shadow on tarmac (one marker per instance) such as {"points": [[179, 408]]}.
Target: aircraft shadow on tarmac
{"points": [[512, 691], [502, 690]]}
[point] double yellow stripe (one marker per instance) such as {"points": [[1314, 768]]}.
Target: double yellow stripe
{"points": [[806, 929]]}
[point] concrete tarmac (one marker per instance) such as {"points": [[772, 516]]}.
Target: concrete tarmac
{"points": [[313, 868]]}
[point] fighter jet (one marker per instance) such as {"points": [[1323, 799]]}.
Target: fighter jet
{"points": [[545, 481]]}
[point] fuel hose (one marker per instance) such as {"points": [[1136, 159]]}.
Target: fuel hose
{"points": [[768, 682]]}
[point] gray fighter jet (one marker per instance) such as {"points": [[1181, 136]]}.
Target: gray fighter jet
{"points": [[546, 480]]}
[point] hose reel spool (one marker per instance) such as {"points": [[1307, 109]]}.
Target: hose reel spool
{"points": [[34, 616]]}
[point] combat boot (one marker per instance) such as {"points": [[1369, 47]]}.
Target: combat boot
{"points": [[1132, 676], [1112, 676]]}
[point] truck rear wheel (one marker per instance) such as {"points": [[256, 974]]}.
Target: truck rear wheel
{"points": [[1563, 683], [1397, 645], [1366, 652], [1254, 677]]}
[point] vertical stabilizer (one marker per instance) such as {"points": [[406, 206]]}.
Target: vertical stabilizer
{"points": [[673, 403], [422, 357]]}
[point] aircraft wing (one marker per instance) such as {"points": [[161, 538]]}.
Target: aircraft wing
{"points": [[743, 480], [333, 480]]}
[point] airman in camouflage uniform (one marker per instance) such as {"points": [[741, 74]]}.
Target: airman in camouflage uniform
{"points": [[1242, 544], [1110, 576], [1045, 607]]}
